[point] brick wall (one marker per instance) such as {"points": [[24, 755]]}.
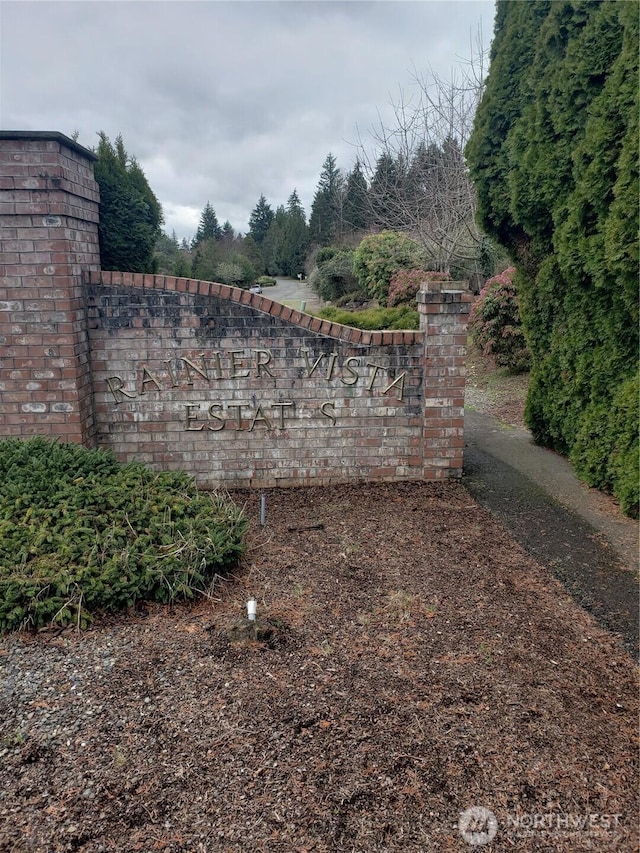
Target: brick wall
{"points": [[238, 389], [241, 390], [228, 385], [48, 236], [443, 319]]}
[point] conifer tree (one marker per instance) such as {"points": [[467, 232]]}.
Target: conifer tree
{"points": [[296, 237], [227, 234], [130, 214], [273, 245], [208, 229], [260, 221], [554, 155], [356, 211], [385, 195], [325, 222]]}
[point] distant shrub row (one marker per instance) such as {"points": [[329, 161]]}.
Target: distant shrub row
{"points": [[371, 319]]}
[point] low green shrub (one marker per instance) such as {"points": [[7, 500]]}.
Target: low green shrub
{"points": [[372, 319], [266, 281], [354, 301], [81, 533]]}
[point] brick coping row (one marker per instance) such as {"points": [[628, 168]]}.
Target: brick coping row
{"points": [[147, 281]]}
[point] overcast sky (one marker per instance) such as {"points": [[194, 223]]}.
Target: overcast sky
{"points": [[223, 101]]}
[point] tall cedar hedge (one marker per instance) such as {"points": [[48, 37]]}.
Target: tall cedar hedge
{"points": [[554, 155]]}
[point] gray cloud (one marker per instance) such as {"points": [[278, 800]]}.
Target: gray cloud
{"points": [[223, 101]]}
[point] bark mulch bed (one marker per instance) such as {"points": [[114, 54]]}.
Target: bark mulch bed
{"points": [[411, 662]]}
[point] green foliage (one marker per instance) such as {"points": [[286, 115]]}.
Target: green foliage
{"points": [[229, 273], [495, 323], [266, 281], [491, 257], [295, 237], [182, 266], [405, 284], [612, 460], [236, 270], [325, 253], [333, 275], [285, 244], [227, 234], [554, 155], [167, 253], [130, 214], [325, 220], [260, 220], [208, 228], [381, 255], [356, 207], [402, 317], [507, 90], [386, 192], [81, 533], [205, 260], [273, 248]]}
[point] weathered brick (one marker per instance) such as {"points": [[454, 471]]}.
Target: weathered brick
{"points": [[262, 416]]}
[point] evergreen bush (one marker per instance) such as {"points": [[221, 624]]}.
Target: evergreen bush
{"points": [[81, 533], [373, 319], [333, 276], [381, 255]]}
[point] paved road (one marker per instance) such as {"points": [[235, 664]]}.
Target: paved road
{"points": [[294, 293]]}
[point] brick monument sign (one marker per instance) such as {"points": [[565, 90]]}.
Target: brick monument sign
{"points": [[230, 386]]}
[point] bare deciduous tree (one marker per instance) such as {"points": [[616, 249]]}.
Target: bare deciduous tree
{"points": [[418, 179]]}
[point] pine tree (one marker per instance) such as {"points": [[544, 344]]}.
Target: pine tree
{"points": [[167, 251], [356, 212], [296, 237], [385, 196], [208, 229], [227, 234], [325, 222], [130, 214], [260, 221], [273, 246]]}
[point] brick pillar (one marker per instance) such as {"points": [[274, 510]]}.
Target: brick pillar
{"points": [[443, 319], [48, 236]]}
